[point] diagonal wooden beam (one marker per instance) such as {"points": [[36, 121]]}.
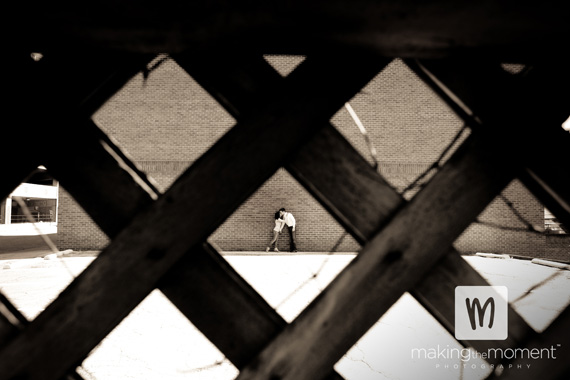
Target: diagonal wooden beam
{"points": [[148, 248], [221, 304], [202, 285], [60, 79], [18, 170], [348, 184], [54, 81], [466, 87], [100, 165], [112, 72], [543, 356], [376, 278], [297, 347], [106, 77], [239, 98], [414, 28], [17, 105], [351, 190], [11, 320]]}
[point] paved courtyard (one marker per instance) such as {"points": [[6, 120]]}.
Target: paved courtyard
{"points": [[157, 342]]}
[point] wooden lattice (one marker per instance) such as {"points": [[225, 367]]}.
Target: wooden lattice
{"points": [[159, 240]]}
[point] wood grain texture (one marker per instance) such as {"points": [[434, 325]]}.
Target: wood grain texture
{"points": [[221, 304], [436, 28], [96, 168], [533, 109], [194, 206], [551, 362], [350, 189], [372, 282], [140, 258]]}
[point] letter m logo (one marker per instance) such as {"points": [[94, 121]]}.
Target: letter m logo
{"points": [[474, 305]]}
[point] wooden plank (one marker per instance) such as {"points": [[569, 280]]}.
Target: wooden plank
{"points": [[68, 329], [91, 173], [545, 163], [202, 285], [547, 175], [99, 167], [345, 184], [221, 304], [20, 162], [549, 361], [338, 176], [327, 154], [56, 78], [323, 163], [550, 199], [18, 170], [344, 151], [372, 282], [352, 191], [87, 80], [11, 320], [211, 278], [239, 86], [437, 28], [76, 78], [42, 75], [84, 88]]}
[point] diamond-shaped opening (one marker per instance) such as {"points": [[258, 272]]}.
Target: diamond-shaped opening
{"points": [[508, 245], [28, 211], [407, 126], [33, 269], [32, 283], [407, 342], [250, 227], [156, 341], [284, 64], [288, 281], [164, 120], [566, 125]]}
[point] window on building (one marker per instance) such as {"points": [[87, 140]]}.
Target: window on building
{"points": [[32, 207], [551, 224], [40, 210]]}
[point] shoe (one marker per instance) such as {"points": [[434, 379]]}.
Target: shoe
{"points": [[294, 250], [267, 249], [275, 249]]}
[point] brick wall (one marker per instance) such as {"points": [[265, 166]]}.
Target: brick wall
{"points": [[166, 121], [75, 230]]}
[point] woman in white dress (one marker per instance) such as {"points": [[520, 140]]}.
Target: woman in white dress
{"points": [[279, 223]]}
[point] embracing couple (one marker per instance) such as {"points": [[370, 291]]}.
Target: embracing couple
{"points": [[283, 218]]}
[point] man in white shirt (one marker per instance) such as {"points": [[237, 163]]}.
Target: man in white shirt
{"points": [[290, 223]]}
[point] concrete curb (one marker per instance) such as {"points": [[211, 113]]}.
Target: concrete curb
{"points": [[493, 255], [549, 263], [52, 256], [553, 264], [282, 253], [34, 262]]}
